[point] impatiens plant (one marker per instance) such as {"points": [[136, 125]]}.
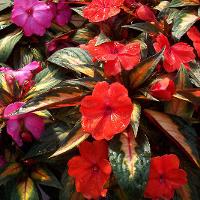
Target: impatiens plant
{"points": [[99, 99]]}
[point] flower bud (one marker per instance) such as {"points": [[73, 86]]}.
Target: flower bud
{"points": [[163, 89], [145, 13]]}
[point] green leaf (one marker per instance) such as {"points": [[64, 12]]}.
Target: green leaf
{"points": [[45, 177], [144, 27], [25, 190], [177, 106], [75, 59], [7, 44], [73, 139], [68, 186], [83, 35], [181, 3], [135, 117], [54, 98], [50, 140], [192, 95], [139, 74], [10, 171], [130, 160], [177, 130], [4, 21], [101, 38], [182, 23], [79, 10], [5, 4], [45, 80]]}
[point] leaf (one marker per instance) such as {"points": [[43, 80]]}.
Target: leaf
{"points": [[181, 136], [193, 95], [101, 38], [83, 35], [50, 140], [195, 75], [162, 5], [180, 3], [144, 27], [135, 118], [25, 190], [139, 74], [177, 106], [4, 21], [184, 192], [130, 160], [7, 44], [10, 171], [79, 10], [5, 4], [54, 98], [68, 187], [75, 59], [45, 177], [45, 80], [73, 139], [182, 23]]}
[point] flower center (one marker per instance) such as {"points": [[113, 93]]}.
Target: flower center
{"points": [[95, 169], [162, 179], [108, 110], [29, 11]]}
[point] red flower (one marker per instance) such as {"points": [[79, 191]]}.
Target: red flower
{"points": [[194, 35], [91, 169], [107, 111], [164, 177], [163, 89], [174, 56], [114, 55], [145, 13], [101, 10]]}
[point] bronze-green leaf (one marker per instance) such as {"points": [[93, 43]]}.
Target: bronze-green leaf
{"points": [[25, 190], [130, 160], [45, 177], [171, 128], [9, 171], [75, 59], [181, 3], [139, 74], [75, 137], [7, 44]]}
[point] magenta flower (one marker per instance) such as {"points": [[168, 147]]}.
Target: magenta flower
{"points": [[32, 15], [23, 75], [61, 12], [18, 126]]}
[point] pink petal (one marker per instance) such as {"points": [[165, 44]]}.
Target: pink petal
{"points": [[22, 76], [19, 16], [12, 108], [34, 67], [34, 124], [32, 27], [13, 129]]}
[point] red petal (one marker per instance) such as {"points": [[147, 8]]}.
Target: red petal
{"points": [[101, 90], [194, 34], [105, 167], [112, 67], [170, 162], [183, 51], [156, 190], [78, 167], [100, 10], [197, 47], [161, 42], [176, 178]]}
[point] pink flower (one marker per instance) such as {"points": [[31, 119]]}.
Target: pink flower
{"points": [[32, 15], [23, 75], [21, 124]]}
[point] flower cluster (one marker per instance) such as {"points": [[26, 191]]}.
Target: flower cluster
{"points": [[112, 86], [36, 16]]}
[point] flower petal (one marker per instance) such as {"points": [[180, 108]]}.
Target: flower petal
{"points": [[34, 124]]}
